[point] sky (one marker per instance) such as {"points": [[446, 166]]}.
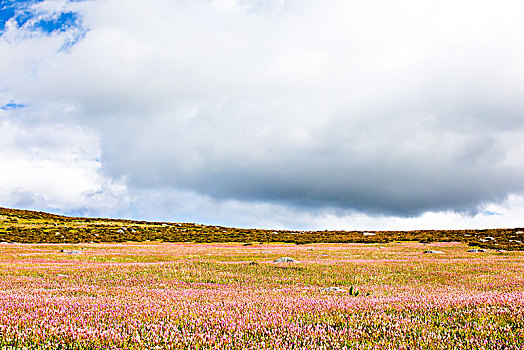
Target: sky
{"points": [[284, 114]]}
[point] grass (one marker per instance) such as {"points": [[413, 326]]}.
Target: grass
{"points": [[186, 296], [146, 287]]}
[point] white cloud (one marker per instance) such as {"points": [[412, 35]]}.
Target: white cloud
{"points": [[183, 206], [323, 112], [55, 167]]}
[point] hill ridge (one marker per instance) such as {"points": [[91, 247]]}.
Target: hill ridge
{"points": [[29, 226]]}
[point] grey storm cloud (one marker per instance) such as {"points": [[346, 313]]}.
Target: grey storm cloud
{"points": [[383, 108]]}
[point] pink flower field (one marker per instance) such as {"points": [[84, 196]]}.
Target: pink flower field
{"points": [[230, 296]]}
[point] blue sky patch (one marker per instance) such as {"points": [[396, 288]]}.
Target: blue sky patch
{"points": [[25, 15], [18, 10], [12, 105], [62, 22], [490, 213], [6, 13]]}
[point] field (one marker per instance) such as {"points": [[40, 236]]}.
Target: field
{"points": [[86, 283], [154, 295]]}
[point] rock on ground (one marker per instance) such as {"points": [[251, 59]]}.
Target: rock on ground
{"points": [[333, 289], [71, 251]]}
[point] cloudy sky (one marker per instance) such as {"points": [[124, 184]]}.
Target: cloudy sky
{"points": [[299, 114]]}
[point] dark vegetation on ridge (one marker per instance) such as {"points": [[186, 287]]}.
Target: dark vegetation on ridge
{"points": [[24, 226]]}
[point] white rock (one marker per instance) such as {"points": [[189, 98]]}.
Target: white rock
{"points": [[71, 251], [285, 260], [369, 234], [477, 251], [333, 289], [433, 252]]}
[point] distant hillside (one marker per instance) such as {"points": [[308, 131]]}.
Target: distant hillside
{"points": [[25, 226]]}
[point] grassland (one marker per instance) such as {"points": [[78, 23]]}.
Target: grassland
{"points": [[99, 284], [231, 296]]}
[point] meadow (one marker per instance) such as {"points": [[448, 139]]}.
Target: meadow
{"points": [[158, 295]]}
